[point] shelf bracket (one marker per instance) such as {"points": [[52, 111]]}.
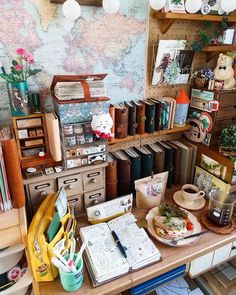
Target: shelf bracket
{"points": [[165, 24], [211, 55]]}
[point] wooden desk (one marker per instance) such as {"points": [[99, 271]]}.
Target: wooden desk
{"points": [[172, 257]]}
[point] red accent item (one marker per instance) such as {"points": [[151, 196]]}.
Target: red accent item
{"points": [[182, 97]]}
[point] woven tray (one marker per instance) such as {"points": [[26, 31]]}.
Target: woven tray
{"points": [[223, 230]]}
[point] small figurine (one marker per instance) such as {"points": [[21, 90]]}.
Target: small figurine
{"points": [[224, 71], [101, 125]]}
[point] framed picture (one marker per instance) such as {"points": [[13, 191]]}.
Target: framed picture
{"points": [[214, 167], [167, 69], [175, 6], [209, 183], [228, 37]]}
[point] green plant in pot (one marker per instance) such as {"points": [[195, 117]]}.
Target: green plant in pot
{"points": [[227, 139], [17, 82]]}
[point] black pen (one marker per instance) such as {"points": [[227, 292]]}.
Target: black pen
{"points": [[121, 248]]}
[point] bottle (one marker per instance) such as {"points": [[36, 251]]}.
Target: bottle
{"points": [[181, 110]]}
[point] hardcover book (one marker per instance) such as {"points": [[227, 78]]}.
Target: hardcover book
{"points": [[103, 256]]}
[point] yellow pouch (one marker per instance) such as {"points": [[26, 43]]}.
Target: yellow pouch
{"points": [[39, 249]]}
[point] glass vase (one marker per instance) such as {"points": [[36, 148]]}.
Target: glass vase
{"points": [[18, 96]]}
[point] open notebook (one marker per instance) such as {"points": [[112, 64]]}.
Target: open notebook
{"points": [[105, 260]]}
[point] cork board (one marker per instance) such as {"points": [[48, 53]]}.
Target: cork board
{"points": [[185, 30]]}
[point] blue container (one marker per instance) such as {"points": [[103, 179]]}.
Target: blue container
{"points": [[181, 113], [18, 96], [80, 112]]}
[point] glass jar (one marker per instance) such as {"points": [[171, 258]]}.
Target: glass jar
{"points": [[221, 206]]}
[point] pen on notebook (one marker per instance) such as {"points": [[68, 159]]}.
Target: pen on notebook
{"points": [[121, 248], [2, 68]]}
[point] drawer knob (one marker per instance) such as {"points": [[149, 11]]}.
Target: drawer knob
{"points": [[70, 186], [95, 202], [93, 180], [43, 194]]}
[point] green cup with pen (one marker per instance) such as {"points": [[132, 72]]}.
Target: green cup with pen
{"points": [[72, 281]]}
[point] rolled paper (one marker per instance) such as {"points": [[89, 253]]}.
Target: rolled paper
{"points": [[13, 170]]}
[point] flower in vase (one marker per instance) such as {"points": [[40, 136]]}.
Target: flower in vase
{"points": [[21, 67]]}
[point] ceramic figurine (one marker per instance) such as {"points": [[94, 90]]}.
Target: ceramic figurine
{"points": [[101, 125], [224, 71]]}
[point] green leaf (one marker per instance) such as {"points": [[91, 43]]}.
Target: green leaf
{"points": [[33, 72], [6, 77], [14, 63]]}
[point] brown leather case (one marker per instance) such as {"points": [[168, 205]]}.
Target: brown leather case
{"points": [[121, 122], [123, 176], [13, 170], [111, 178], [141, 118], [159, 159], [177, 158]]}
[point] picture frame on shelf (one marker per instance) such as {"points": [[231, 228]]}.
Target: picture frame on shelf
{"points": [[175, 6], [228, 37], [209, 183]]}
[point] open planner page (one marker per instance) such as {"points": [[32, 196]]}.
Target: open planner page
{"points": [[104, 257], [140, 249]]}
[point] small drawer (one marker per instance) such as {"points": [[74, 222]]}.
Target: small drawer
{"points": [[221, 254], [93, 179], [94, 197], [77, 202], [71, 183], [226, 112], [227, 99], [38, 191], [200, 264]]}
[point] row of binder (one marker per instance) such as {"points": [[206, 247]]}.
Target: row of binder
{"points": [[178, 157], [142, 116]]}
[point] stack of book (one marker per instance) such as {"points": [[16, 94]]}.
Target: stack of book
{"points": [[5, 198], [143, 116], [178, 157]]}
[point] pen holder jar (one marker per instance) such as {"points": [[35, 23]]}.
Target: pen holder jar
{"points": [[72, 281]]}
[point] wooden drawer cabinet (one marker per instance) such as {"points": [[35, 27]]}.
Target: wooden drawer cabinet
{"points": [[72, 184], [84, 187]]}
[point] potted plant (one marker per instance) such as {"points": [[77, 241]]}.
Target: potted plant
{"points": [[227, 139], [202, 77], [17, 81]]}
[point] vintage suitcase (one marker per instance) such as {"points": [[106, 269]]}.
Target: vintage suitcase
{"points": [[77, 98]]}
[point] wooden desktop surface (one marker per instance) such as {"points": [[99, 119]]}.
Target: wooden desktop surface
{"points": [[171, 257]]}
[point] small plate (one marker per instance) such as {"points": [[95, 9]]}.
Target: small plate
{"points": [[197, 205], [196, 229]]}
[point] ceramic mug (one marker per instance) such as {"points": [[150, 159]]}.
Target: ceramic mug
{"points": [[191, 193]]}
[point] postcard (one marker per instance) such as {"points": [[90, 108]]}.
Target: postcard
{"points": [[213, 166], [208, 182], [167, 69]]}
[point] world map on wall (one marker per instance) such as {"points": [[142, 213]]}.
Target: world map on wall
{"points": [[97, 42]]}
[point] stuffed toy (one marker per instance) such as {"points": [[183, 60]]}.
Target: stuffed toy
{"points": [[101, 125], [224, 71]]}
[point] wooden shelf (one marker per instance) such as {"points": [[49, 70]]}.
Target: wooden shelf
{"points": [[32, 146], [212, 51], [31, 137], [138, 140], [167, 19]]}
